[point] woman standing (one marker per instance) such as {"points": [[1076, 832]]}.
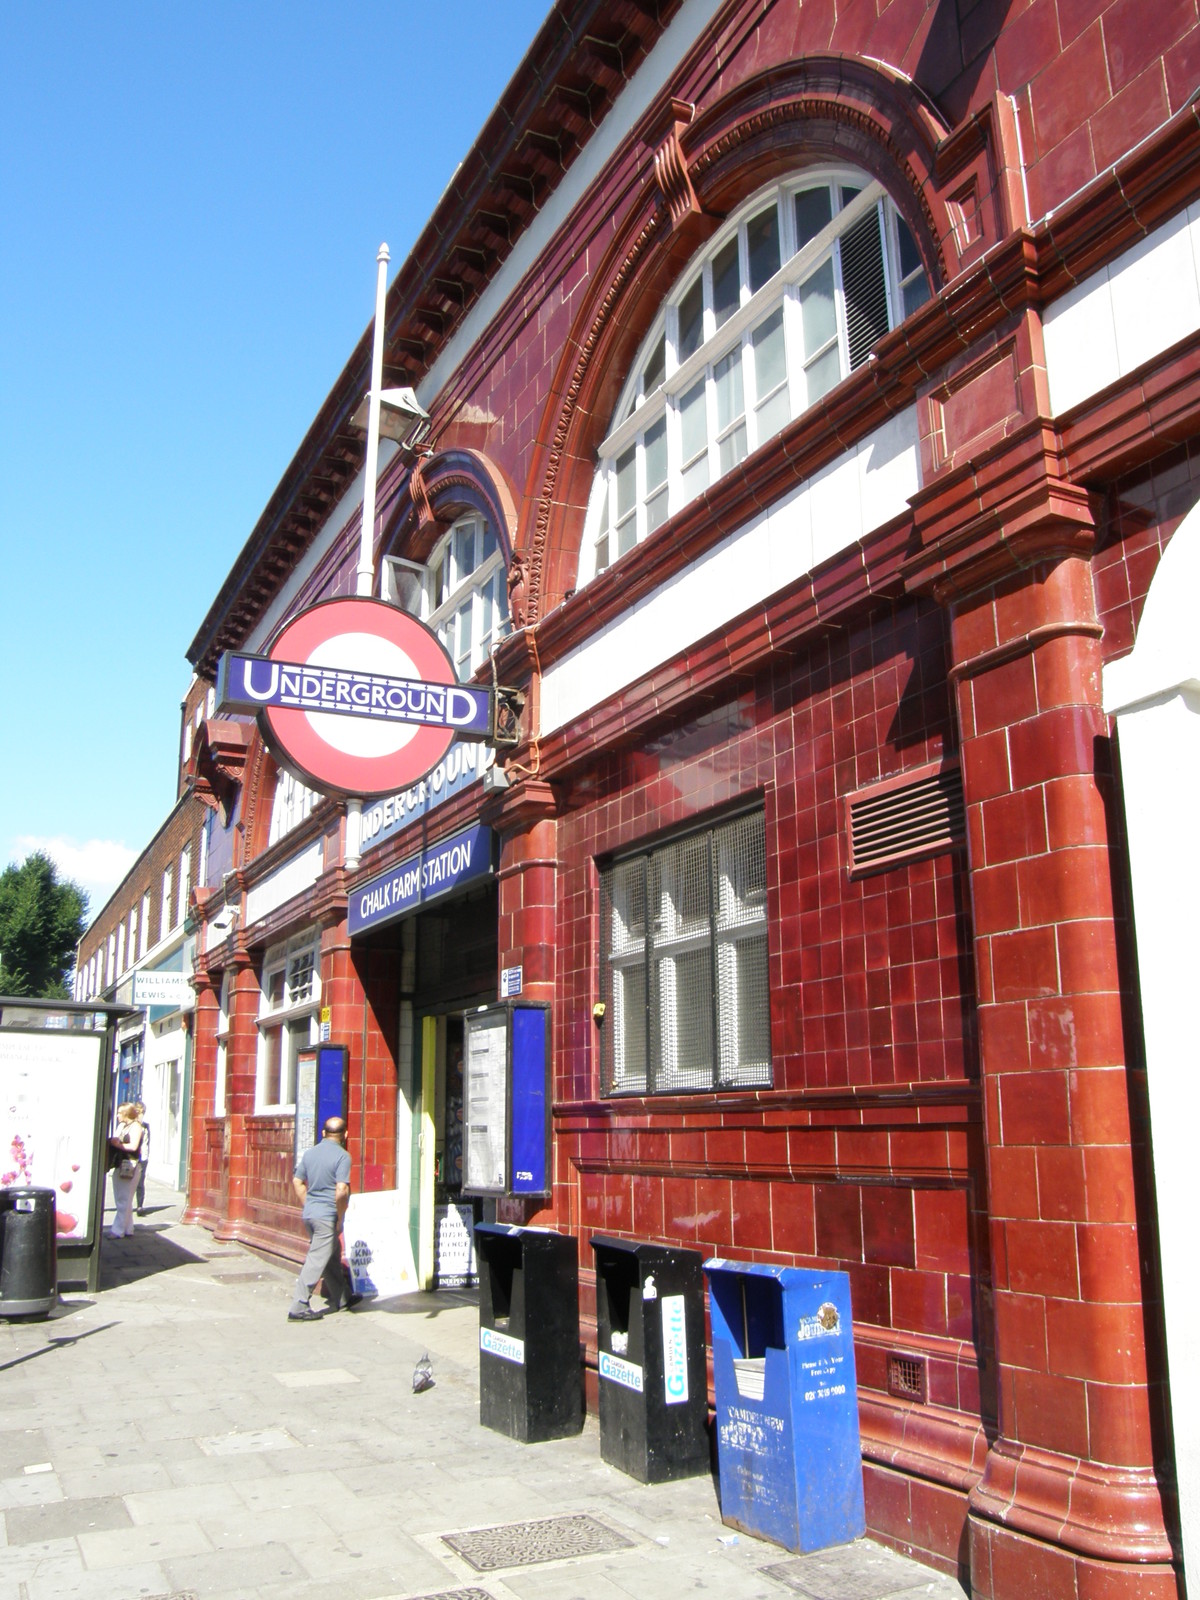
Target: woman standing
{"points": [[126, 1143]]}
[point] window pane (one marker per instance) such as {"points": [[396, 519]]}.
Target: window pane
{"points": [[656, 510], [848, 193], [813, 212], [772, 414], [823, 374], [626, 482], [910, 258], [271, 1057], [694, 479], [655, 369], [691, 321], [693, 421], [732, 448], [762, 240], [464, 630], [489, 543], [629, 1003], [464, 552], [817, 306], [770, 354], [726, 281], [728, 378], [915, 293], [655, 446]]}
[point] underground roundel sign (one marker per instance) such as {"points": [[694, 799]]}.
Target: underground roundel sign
{"points": [[355, 697]]}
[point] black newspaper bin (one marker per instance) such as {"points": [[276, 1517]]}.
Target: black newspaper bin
{"points": [[650, 1333], [28, 1259], [530, 1380]]}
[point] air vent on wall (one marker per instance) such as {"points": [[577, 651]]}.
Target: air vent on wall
{"points": [[907, 1377], [904, 818]]}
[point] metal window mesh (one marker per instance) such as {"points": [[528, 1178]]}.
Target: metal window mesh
{"points": [[684, 964]]}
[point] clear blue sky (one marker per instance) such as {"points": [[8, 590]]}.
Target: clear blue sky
{"points": [[191, 198]]}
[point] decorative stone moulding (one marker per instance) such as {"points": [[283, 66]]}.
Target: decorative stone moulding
{"points": [[442, 486], [217, 763]]}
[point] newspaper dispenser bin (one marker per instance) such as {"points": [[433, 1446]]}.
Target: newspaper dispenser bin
{"points": [[530, 1380], [788, 1449], [650, 1334], [28, 1256]]}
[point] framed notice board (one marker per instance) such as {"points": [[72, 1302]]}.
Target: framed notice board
{"points": [[321, 1071], [506, 1099]]}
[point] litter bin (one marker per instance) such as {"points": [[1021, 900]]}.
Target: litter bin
{"points": [[788, 1450], [530, 1380], [653, 1386], [28, 1257]]}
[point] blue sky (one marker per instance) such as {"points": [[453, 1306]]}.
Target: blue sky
{"points": [[191, 198]]}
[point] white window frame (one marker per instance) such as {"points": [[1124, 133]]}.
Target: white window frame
{"points": [[614, 522], [292, 803], [643, 962], [185, 873], [465, 592], [290, 1010], [164, 910], [145, 944]]}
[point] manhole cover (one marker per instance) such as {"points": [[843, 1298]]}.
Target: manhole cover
{"points": [[524, 1544]]}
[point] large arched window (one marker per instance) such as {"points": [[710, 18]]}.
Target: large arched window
{"points": [[787, 299]]}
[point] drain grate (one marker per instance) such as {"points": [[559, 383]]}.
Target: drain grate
{"points": [[241, 1277], [458, 1594], [524, 1544]]}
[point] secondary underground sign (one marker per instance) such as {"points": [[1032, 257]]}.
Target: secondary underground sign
{"points": [[425, 876], [355, 697]]}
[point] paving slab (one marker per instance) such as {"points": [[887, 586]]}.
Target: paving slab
{"points": [[264, 1460]]}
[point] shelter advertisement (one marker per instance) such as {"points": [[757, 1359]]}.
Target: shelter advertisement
{"points": [[49, 1082], [378, 1244]]}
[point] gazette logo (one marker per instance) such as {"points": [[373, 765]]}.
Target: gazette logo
{"points": [[355, 697]]}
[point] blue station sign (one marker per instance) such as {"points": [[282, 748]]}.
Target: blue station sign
{"points": [[430, 873]]}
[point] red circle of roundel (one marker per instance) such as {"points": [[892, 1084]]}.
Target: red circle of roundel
{"points": [[297, 742]]}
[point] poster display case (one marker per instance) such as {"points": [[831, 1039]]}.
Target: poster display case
{"points": [[506, 1092], [55, 1090]]}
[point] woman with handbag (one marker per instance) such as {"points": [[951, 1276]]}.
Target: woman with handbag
{"points": [[125, 1144]]}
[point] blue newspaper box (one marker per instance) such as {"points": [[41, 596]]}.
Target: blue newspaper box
{"points": [[788, 1449]]}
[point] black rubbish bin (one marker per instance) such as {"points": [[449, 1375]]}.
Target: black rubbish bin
{"points": [[650, 1333], [530, 1380], [28, 1257]]}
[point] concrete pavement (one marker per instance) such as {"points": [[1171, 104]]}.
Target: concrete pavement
{"points": [[175, 1438]]}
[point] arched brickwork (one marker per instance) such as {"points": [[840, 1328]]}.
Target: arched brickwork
{"points": [[442, 487]]}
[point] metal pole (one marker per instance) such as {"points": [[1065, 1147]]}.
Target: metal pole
{"points": [[366, 549]]}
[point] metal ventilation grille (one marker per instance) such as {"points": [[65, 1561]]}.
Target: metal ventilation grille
{"points": [[865, 288], [907, 1377], [905, 818]]}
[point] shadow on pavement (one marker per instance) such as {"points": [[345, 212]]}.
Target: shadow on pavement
{"points": [[58, 1343], [145, 1252], [426, 1303]]}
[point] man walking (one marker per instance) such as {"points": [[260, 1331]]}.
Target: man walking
{"points": [[322, 1182]]}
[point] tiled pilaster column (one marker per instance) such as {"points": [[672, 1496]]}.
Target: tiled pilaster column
{"points": [[241, 1072], [201, 1180], [1068, 1502]]}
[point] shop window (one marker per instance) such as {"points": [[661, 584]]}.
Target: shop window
{"points": [[287, 1016], [461, 593], [684, 964], [292, 803], [787, 300]]}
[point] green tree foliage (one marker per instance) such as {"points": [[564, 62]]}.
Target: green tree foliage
{"points": [[41, 922]]}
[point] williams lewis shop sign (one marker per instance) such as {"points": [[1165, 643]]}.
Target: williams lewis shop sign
{"points": [[430, 873]]}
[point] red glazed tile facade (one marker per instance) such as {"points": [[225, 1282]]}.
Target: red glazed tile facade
{"points": [[956, 1108]]}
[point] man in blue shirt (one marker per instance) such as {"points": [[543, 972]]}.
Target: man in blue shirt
{"points": [[322, 1182]]}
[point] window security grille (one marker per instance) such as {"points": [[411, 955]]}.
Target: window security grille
{"points": [[905, 818], [684, 964]]}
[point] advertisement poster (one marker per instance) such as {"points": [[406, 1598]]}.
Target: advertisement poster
{"points": [[378, 1246], [48, 1087], [486, 1112], [454, 1247]]}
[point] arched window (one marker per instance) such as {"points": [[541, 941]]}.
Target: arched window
{"points": [[787, 299], [461, 593], [293, 802]]}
